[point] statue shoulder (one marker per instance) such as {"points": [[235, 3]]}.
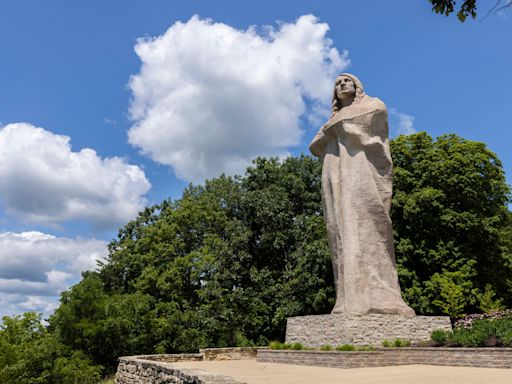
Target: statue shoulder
{"points": [[378, 103]]}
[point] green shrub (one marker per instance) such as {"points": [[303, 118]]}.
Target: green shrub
{"points": [[398, 343], [326, 347], [29, 353], [345, 347], [279, 345], [480, 332], [276, 345], [387, 344], [504, 331], [365, 348], [439, 336]]}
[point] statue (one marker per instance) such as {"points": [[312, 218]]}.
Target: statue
{"points": [[356, 193]]}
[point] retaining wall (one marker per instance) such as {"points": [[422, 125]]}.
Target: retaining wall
{"points": [[457, 357], [158, 369]]}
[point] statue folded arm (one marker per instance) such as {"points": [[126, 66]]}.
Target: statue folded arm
{"points": [[317, 146]]}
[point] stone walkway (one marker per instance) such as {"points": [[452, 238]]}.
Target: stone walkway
{"points": [[252, 372]]}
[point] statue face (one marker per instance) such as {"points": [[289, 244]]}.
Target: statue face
{"points": [[345, 87]]}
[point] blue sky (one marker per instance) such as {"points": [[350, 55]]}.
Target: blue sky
{"points": [[107, 106]]}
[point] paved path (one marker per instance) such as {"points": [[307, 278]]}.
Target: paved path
{"points": [[252, 372]]}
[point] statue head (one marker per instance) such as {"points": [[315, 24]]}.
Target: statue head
{"points": [[348, 85]]}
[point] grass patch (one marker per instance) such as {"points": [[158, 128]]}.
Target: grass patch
{"points": [[284, 346], [345, 347], [326, 347], [397, 343], [277, 345]]}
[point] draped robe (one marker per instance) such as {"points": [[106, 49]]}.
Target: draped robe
{"points": [[356, 194]]}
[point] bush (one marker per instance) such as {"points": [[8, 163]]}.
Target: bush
{"points": [[276, 345], [29, 353], [279, 345], [365, 348], [467, 321], [398, 343], [439, 336], [326, 347], [478, 331], [345, 347]]}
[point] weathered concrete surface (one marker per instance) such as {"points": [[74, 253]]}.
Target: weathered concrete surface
{"points": [[252, 372], [339, 329]]}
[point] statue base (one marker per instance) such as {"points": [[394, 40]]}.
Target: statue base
{"points": [[372, 329]]}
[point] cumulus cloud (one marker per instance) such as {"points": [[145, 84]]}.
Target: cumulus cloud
{"points": [[44, 181], [209, 98], [401, 123], [36, 267], [14, 304]]}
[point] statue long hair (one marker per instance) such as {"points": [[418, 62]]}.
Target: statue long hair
{"points": [[359, 96]]}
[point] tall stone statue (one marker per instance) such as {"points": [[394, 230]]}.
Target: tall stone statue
{"points": [[356, 192]]}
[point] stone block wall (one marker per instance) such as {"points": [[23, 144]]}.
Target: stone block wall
{"points": [[232, 353], [457, 357], [158, 369], [339, 329], [132, 370]]}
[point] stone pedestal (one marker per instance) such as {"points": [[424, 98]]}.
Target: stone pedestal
{"points": [[339, 329]]}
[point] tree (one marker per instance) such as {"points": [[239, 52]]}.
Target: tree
{"points": [[468, 8], [231, 260], [224, 265], [103, 326], [450, 215], [29, 353]]}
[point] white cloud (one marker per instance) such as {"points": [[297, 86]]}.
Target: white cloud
{"points": [[209, 98], [15, 304], [36, 267], [401, 123], [44, 181]]}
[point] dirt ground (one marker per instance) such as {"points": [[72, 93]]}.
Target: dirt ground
{"points": [[252, 372]]}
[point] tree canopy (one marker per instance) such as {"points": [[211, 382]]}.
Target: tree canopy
{"points": [[30, 353], [228, 262], [231, 260], [449, 212]]}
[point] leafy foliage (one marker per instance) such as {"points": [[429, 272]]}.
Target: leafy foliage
{"points": [[345, 347], [29, 353], [228, 262], [449, 215], [493, 331], [467, 321], [396, 343], [231, 260], [225, 265], [468, 8]]}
